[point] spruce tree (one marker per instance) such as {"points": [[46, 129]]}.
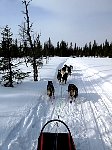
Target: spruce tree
{"points": [[9, 70]]}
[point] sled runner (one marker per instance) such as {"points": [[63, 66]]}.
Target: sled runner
{"points": [[55, 140]]}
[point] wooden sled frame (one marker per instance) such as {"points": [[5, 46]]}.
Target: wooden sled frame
{"points": [[55, 141]]}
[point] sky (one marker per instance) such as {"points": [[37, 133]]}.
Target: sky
{"points": [[76, 21]]}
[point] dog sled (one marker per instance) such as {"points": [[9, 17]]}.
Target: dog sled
{"points": [[55, 140]]}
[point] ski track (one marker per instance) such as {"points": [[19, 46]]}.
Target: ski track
{"points": [[88, 124], [104, 124], [28, 125], [89, 121], [104, 134]]}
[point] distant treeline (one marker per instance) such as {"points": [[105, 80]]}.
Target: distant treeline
{"points": [[62, 49], [33, 52]]}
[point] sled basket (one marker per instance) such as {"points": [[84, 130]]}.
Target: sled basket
{"points": [[55, 141]]}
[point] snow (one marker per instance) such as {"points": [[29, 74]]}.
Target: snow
{"points": [[25, 108]]}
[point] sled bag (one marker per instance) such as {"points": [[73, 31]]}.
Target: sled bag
{"points": [[55, 141]]}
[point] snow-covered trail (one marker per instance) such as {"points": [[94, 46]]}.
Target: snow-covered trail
{"points": [[22, 131], [89, 117], [97, 107]]}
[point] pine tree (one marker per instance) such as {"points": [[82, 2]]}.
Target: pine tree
{"points": [[6, 63], [70, 50], [57, 49], [9, 72], [63, 48], [94, 49]]}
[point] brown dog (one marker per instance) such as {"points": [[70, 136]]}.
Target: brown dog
{"points": [[72, 90]]}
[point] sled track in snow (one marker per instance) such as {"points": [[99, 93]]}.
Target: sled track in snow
{"points": [[92, 114], [103, 123], [102, 100], [95, 112], [17, 135], [73, 114], [103, 91], [84, 112]]}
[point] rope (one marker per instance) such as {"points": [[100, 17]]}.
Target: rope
{"points": [[61, 110]]}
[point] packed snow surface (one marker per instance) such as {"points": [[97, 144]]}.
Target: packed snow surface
{"points": [[25, 108]]}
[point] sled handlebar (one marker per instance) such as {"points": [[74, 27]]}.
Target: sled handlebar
{"points": [[55, 120]]}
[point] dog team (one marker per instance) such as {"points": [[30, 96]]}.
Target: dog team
{"points": [[62, 77]]}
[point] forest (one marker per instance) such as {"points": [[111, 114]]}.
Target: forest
{"points": [[11, 49], [63, 48]]}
